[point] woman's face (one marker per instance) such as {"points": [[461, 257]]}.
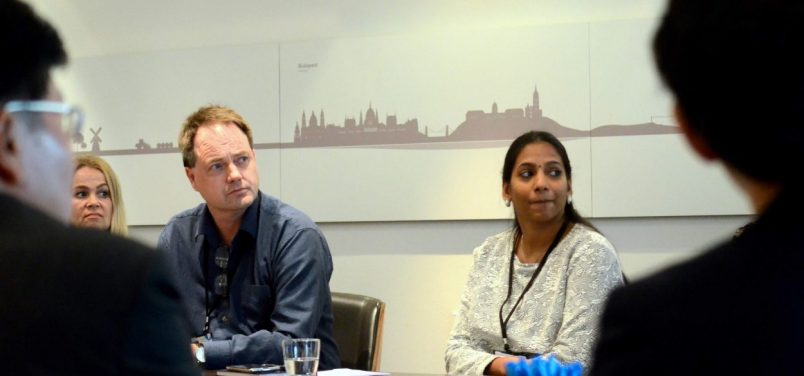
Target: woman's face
{"points": [[539, 187], [92, 200]]}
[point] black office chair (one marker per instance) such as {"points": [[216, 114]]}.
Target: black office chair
{"points": [[358, 330]]}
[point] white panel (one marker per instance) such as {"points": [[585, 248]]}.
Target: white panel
{"points": [[625, 87], [268, 165], [354, 184], [658, 176], [147, 96], [154, 187], [436, 80], [581, 161], [644, 175]]}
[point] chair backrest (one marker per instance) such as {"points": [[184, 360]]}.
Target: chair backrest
{"points": [[358, 330]]}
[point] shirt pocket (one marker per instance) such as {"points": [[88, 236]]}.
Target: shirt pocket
{"points": [[258, 304]]}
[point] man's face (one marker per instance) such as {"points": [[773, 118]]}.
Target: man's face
{"points": [[225, 171], [46, 161]]}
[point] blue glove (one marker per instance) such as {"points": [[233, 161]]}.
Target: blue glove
{"points": [[543, 366]]}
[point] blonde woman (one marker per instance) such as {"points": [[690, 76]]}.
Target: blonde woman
{"points": [[97, 197]]}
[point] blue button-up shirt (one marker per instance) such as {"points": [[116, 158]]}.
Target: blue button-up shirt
{"points": [[279, 270]]}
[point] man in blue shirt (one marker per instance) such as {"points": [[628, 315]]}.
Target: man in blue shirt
{"points": [[252, 270]]}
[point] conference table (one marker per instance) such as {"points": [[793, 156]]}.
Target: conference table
{"points": [[230, 373]]}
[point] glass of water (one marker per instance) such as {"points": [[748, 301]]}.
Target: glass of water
{"points": [[301, 355]]}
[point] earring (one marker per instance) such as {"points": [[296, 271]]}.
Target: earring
{"points": [[569, 200], [508, 203]]}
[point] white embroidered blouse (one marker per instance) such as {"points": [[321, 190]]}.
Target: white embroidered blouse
{"points": [[558, 315]]}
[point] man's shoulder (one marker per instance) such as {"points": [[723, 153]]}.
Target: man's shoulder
{"points": [[93, 259], [709, 299], [191, 215], [181, 230], [274, 211], [184, 223], [284, 230], [31, 231], [704, 283], [110, 250]]}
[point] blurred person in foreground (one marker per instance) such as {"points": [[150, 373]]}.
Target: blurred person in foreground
{"points": [[73, 301], [97, 196], [538, 288], [735, 70]]}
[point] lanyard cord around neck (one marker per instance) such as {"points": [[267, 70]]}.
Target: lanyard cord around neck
{"points": [[207, 306], [504, 323], [217, 299]]}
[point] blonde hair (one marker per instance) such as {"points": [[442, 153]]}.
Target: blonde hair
{"points": [[207, 115], [118, 225]]}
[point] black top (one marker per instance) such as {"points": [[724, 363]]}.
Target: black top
{"points": [[736, 309], [78, 301]]}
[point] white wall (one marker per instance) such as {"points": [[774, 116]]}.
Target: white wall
{"points": [[419, 268]]}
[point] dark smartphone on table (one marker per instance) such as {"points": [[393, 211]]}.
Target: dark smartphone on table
{"points": [[255, 368]]}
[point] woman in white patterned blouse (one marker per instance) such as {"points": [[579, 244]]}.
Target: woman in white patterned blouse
{"points": [[539, 287]]}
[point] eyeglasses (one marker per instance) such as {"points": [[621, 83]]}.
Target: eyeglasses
{"points": [[222, 261], [72, 118]]}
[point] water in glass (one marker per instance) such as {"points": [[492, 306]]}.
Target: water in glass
{"points": [[301, 366]]}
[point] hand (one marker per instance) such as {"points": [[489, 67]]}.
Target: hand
{"points": [[497, 366]]}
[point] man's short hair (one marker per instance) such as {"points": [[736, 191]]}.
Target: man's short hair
{"points": [[737, 73], [31, 47], [207, 115]]}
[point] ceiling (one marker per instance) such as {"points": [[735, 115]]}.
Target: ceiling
{"points": [[103, 27]]}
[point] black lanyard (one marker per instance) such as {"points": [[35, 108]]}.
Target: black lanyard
{"points": [[504, 323], [217, 299]]}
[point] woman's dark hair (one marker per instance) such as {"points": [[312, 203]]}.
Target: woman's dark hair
{"points": [[570, 214]]}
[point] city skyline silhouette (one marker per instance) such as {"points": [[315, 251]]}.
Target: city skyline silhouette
{"points": [[369, 130]]}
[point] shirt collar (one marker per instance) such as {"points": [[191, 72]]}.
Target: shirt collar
{"points": [[251, 217], [208, 229], [249, 224]]}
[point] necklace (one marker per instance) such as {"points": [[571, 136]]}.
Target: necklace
{"points": [[504, 323]]}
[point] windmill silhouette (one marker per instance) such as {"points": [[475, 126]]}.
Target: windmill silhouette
{"points": [[96, 140]]}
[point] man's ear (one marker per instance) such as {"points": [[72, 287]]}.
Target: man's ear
{"points": [[9, 152], [190, 176], [695, 140]]}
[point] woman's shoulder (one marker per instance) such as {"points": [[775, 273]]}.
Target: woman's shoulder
{"points": [[587, 234], [593, 256], [494, 245], [584, 239]]}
